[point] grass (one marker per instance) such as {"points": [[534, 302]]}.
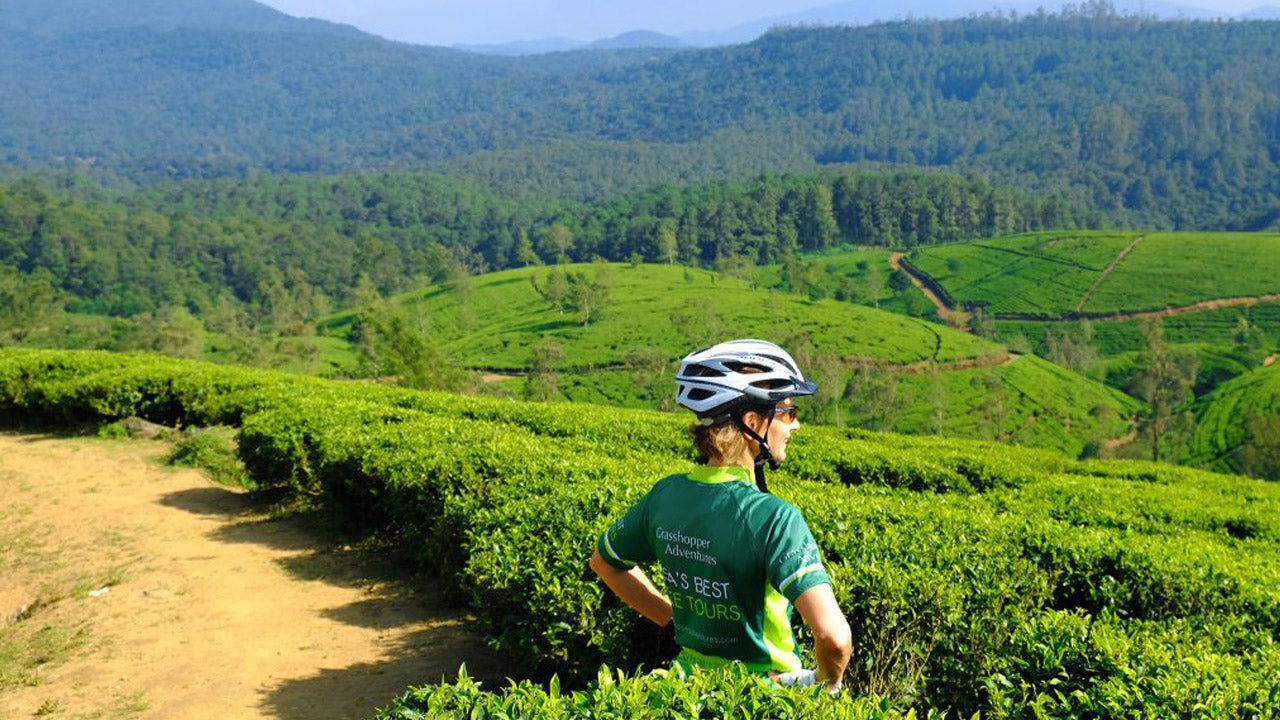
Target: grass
{"points": [[1221, 416], [1181, 268], [212, 450], [1214, 327], [1030, 273], [667, 309], [664, 311], [1050, 273]]}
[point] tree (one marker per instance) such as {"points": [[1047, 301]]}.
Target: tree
{"points": [[872, 394], [1249, 341], [827, 371], [587, 295], [559, 240], [666, 244], [29, 306], [1073, 350], [1260, 452], [994, 410], [524, 250], [459, 283], [545, 359], [873, 283], [651, 372], [392, 342], [1163, 379]]}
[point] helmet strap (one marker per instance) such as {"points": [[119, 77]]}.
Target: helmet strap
{"points": [[765, 453]]}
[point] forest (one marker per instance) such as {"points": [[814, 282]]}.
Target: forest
{"points": [[1161, 124]]}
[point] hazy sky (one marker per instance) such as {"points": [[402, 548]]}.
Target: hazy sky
{"points": [[447, 22]]}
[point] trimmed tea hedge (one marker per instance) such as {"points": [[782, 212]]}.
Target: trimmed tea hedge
{"points": [[977, 577]]}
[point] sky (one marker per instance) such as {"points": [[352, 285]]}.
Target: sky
{"points": [[451, 22]]}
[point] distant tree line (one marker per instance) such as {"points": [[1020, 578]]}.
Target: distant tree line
{"points": [[283, 248], [1160, 124]]}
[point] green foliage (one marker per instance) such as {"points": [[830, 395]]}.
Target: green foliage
{"points": [[212, 450], [1051, 274], [726, 692], [1165, 124], [977, 576], [1222, 415], [1163, 379]]}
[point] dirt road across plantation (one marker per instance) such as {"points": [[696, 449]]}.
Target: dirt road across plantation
{"points": [[1107, 272], [180, 599], [948, 315]]}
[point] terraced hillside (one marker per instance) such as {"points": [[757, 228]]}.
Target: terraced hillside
{"points": [[1222, 417], [1102, 274], [930, 378], [1200, 284]]}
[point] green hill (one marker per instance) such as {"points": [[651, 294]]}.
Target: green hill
{"points": [[1205, 288], [1096, 273], [916, 376], [1222, 417]]}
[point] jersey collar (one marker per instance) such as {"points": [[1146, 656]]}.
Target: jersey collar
{"points": [[709, 474]]}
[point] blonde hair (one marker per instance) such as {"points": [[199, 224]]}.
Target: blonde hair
{"points": [[720, 441]]}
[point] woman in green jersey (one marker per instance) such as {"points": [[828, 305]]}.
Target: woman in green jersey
{"points": [[735, 558]]}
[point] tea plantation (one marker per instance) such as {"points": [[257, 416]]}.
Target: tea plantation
{"points": [[1051, 273], [663, 311], [1221, 416], [978, 577]]}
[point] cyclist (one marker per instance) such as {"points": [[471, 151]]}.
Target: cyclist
{"points": [[735, 558]]}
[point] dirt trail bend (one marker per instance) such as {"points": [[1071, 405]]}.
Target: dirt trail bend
{"points": [[1107, 271], [950, 316], [212, 610]]}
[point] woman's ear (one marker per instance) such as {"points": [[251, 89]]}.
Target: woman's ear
{"points": [[755, 421]]}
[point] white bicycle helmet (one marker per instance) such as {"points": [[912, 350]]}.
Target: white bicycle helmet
{"points": [[715, 381]]}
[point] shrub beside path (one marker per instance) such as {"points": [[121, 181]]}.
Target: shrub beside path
{"points": [[211, 608]]}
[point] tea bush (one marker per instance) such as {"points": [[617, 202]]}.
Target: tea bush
{"points": [[977, 577]]}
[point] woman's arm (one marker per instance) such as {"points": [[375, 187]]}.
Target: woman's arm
{"points": [[832, 639], [635, 589]]}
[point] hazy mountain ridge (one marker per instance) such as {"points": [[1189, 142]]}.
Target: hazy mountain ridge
{"points": [[635, 39], [69, 17]]}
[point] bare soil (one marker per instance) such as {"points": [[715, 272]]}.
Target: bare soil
{"points": [[211, 609], [1108, 270], [953, 317]]}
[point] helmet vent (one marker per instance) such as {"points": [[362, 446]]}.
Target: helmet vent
{"points": [[699, 394], [747, 368], [701, 371]]}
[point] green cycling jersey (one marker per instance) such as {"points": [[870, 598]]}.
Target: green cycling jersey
{"points": [[734, 560]]}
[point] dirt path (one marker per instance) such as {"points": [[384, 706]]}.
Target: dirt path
{"points": [[1106, 272], [1180, 309], [211, 609], [951, 317], [1269, 361]]}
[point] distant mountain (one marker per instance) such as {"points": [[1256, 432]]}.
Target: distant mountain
{"points": [[859, 12], [57, 18], [1267, 12], [1120, 114], [635, 39], [638, 39], [523, 47]]}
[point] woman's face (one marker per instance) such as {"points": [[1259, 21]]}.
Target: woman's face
{"points": [[785, 422]]}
